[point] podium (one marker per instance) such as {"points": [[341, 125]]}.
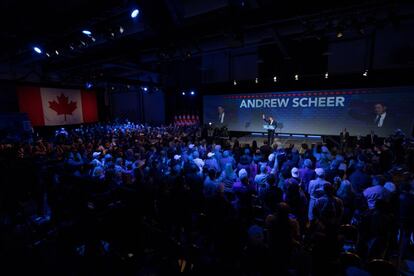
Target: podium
{"points": [[269, 127]]}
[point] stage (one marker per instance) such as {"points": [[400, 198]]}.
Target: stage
{"points": [[282, 139]]}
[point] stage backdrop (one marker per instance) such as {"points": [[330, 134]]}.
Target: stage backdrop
{"points": [[317, 112], [56, 106]]}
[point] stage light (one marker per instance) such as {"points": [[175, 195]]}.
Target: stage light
{"points": [[47, 54], [88, 85], [256, 80], [365, 74], [57, 52], [339, 34], [87, 32], [192, 93], [121, 30], [144, 88], [326, 75], [274, 79], [183, 93], [234, 82], [93, 39], [210, 123], [296, 77], [37, 50], [134, 13]]}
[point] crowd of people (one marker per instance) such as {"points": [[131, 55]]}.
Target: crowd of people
{"points": [[169, 198]]}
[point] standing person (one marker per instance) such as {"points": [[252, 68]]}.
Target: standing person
{"points": [[306, 174], [221, 115], [344, 139], [270, 132], [329, 209], [376, 191], [316, 190]]}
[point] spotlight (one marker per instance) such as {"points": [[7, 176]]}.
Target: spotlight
{"points": [[296, 77], [365, 74], [183, 93], [234, 82], [37, 50], [128, 86], [93, 39], [326, 75], [57, 52], [134, 13], [210, 123], [144, 88], [192, 93], [256, 80], [72, 47], [340, 32], [87, 32], [88, 85], [47, 54], [274, 79], [83, 43], [121, 30]]}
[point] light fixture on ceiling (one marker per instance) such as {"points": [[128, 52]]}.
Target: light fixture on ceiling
{"points": [[134, 13], [37, 49]]}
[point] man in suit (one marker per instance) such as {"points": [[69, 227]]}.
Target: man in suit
{"points": [[344, 139], [270, 132], [371, 140], [221, 115], [381, 118]]}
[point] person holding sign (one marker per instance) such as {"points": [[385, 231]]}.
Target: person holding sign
{"points": [[270, 126]]}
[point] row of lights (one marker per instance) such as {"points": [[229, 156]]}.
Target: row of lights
{"points": [[296, 77], [191, 93], [88, 33]]}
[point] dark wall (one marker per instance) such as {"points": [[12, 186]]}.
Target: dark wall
{"points": [[138, 107], [8, 98]]}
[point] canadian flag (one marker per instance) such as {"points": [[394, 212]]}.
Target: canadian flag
{"points": [[56, 106]]}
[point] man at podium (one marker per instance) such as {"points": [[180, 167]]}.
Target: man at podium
{"points": [[270, 126]]}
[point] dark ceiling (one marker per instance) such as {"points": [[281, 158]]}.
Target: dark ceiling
{"points": [[166, 31]]}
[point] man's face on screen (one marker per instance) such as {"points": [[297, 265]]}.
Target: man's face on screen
{"points": [[379, 109]]}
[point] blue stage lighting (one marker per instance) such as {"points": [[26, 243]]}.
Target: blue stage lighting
{"points": [[192, 93], [37, 50], [134, 13], [88, 85], [87, 32], [183, 93]]}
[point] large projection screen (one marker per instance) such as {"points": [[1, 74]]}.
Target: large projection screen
{"points": [[382, 110]]}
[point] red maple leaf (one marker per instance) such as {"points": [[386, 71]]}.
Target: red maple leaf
{"points": [[63, 106]]}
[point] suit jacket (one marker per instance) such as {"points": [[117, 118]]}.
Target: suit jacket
{"points": [[388, 123], [222, 115], [274, 123], [371, 141], [344, 137]]}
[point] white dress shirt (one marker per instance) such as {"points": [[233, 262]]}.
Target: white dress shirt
{"points": [[221, 118], [381, 120]]}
